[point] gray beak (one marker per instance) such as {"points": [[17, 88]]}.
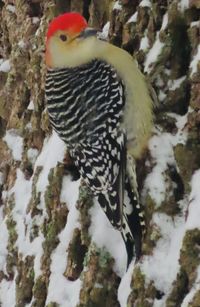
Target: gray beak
{"points": [[87, 33]]}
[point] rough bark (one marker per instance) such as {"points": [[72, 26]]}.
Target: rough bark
{"points": [[22, 30]]}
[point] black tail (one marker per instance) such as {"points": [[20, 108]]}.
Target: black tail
{"points": [[133, 225]]}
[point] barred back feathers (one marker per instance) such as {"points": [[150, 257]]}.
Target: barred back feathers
{"points": [[99, 104], [85, 106]]}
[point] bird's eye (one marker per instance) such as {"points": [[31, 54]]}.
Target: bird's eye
{"points": [[63, 37]]}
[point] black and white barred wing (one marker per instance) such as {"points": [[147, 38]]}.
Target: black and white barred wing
{"points": [[85, 107], [102, 167]]}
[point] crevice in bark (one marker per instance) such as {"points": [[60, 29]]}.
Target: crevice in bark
{"points": [[180, 290], [176, 178], [35, 9], [86, 11], [180, 48], [63, 6]]}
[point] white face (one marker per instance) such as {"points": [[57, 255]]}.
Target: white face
{"points": [[64, 50]]}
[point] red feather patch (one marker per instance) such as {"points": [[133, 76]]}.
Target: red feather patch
{"points": [[72, 22]]}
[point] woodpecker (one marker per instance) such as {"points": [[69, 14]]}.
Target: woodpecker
{"points": [[100, 106]]}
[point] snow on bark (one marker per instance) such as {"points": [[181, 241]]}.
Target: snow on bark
{"points": [[36, 236]]}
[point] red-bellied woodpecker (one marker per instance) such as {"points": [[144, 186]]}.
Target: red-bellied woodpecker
{"points": [[98, 103]]}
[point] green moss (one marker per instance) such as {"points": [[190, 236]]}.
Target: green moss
{"points": [[52, 193], [187, 155], [149, 208], [179, 290], [141, 295], [52, 304], [35, 196], [196, 300], [51, 230], [11, 259], [152, 232], [104, 257], [84, 203], [189, 261], [189, 257], [11, 224], [170, 206], [76, 254], [51, 240], [100, 283], [40, 291], [24, 281], [138, 281]]}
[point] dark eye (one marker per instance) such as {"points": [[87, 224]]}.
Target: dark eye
{"points": [[63, 37]]}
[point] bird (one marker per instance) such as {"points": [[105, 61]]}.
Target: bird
{"points": [[100, 105]]}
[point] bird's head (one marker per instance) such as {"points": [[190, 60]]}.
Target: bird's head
{"points": [[69, 41]]}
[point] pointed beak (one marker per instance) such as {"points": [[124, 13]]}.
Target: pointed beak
{"points": [[87, 33]]}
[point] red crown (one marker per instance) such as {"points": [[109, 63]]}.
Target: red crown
{"points": [[72, 22]]}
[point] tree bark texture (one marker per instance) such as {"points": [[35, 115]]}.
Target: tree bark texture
{"points": [[23, 25]]}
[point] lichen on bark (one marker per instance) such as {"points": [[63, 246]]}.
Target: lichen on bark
{"points": [[22, 31]]}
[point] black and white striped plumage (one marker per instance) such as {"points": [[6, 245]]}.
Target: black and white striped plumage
{"points": [[86, 105]]}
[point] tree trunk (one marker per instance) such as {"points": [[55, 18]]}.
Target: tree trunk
{"points": [[54, 246]]}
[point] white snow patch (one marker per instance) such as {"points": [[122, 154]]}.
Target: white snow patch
{"points": [[15, 143], [181, 122], [153, 54], [1, 178], [31, 105], [61, 290], [22, 44], [35, 20], [125, 286], [145, 3], [69, 192], [157, 47], [117, 6], [7, 293], [133, 18], [183, 5], [164, 22], [5, 66], [161, 96], [144, 43], [3, 242], [104, 235], [32, 154], [52, 152], [11, 8], [162, 267], [174, 84], [22, 195], [195, 24], [105, 31], [161, 147], [195, 61], [193, 220]]}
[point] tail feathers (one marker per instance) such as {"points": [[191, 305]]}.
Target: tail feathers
{"points": [[128, 224], [132, 241], [133, 223], [133, 195], [130, 221]]}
